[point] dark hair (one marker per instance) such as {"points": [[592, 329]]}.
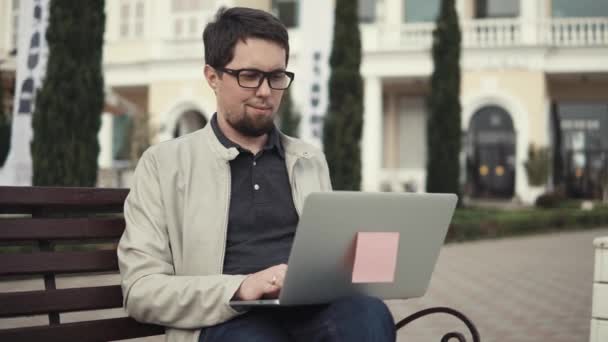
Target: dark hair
{"points": [[239, 23]]}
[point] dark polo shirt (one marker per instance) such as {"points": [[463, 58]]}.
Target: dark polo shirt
{"points": [[262, 218]]}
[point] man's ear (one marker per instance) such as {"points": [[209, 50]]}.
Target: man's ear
{"points": [[211, 76]]}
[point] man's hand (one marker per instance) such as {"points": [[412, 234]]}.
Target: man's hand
{"points": [[266, 283]]}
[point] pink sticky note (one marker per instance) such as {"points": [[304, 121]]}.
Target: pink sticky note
{"points": [[375, 257]]}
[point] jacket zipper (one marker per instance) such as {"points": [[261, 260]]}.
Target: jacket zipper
{"points": [[294, 189], [226, 217]]}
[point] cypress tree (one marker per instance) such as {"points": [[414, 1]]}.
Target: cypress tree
{"points": [[5, 128], [443, 124], [68, 109], [289, 119], [344, 119]]}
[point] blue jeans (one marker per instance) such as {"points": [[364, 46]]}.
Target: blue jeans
{"points": [[353, 319]]}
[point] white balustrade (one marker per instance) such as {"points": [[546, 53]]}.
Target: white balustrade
{"points": [[577, 31], [488, 33], [417, 35], [491, 33]]}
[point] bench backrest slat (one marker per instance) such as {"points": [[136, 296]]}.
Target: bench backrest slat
{"points": [[63, 300], [61, 197], [101, 330], [61, 229], [57, 262]]}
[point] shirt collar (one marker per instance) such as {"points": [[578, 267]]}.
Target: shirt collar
{"points": [[273, 142]]}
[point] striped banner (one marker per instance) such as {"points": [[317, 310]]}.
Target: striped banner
{"points": [[32, 55], [316, 27]]}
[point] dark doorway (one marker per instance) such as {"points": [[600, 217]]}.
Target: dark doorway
{"points": [[189, 122], [584, 135], [490, 148]]}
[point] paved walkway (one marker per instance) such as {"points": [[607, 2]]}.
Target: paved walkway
{"points": [[526, 289]]}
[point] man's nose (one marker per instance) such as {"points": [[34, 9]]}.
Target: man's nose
{"points": [[264, 88]]}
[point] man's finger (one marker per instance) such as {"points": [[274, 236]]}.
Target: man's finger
{"points": [[270, 288], [272, 292]]}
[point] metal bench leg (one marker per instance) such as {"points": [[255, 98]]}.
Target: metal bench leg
{"points": [[450, 335]]}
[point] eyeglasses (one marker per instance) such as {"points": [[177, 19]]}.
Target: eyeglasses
{"points": [[253, 78]]}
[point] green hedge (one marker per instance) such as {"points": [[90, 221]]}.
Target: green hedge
{"points": [[473, 224]]}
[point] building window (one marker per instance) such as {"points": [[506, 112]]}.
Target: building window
{"points": [[581, 8], [496, 8], [421, 10], [132, 16], [124, 19], [186, 5], [14, 34], [139, 19], [287, 11], [367, 11], [122, 132], [187, 19]]}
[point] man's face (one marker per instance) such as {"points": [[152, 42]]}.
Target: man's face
{"points": [[250, 112]]}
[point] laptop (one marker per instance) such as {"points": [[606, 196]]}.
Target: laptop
{"points": [[324, 256]]}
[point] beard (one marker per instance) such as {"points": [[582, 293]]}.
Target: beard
{"points": [[252, 126]]}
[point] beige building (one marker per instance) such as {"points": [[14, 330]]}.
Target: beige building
{"points": [[522, 61]]}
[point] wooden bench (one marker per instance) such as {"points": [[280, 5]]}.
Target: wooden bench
{"points": [[48, 233]]}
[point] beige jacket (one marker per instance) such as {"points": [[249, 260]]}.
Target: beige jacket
{"points": [[172, 251]]}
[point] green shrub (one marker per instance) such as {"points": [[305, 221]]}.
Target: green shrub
{"points": [[550, 200], [537, 165]]}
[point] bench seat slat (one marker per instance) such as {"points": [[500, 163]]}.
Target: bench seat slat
{"points": [[57, 262], [60, 229], [100, 330], [63, 300]]}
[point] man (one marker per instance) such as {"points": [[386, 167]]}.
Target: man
{"points": [[211, 216]]}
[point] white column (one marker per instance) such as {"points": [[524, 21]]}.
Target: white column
{"points": [[389, 28], [522, 188], [160, 30], [371, 143], [529, 16], [461, 9], [393, 12], [6, 28], [104, 136]]}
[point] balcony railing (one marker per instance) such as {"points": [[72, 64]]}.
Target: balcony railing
{"points": [[576, 32], [489, 33], [416, 35]]}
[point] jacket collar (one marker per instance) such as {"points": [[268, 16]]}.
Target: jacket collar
{"points": [[292, 147], [273, 142]]}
